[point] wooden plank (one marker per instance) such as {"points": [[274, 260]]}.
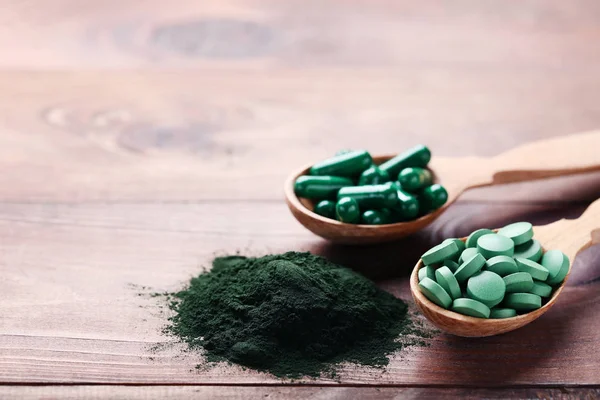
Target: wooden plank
{"points": [[76, 306], [159, 136], [288, 392], [541, 35]]}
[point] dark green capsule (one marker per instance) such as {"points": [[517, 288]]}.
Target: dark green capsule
{"points": [[432, 197], [347, 210], [414, 179], [373, 176], [347, 164], [417, 156], [371, 196], [386, 213], [372, 217], [320, 187], [396, 185], [325, 208], [407, 207]]}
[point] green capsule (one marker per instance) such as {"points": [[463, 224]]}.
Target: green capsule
{"points": [[396, 185], [371, 196], [407, 207], [319, 187], [347, 210], [347, 164], [432, 197], [343, 151], [372, 217], [325, 208], [417, 156], [373, 176], [414, 179], [386, 213]]}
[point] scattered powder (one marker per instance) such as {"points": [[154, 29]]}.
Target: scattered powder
{"points": [[292, 314]]}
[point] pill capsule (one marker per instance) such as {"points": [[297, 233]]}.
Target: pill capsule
{"points": [[373, 176], [417, 156], [439, 253], [386, 213], [325, 208], [459, 243], [432, 197], [500, 313], [492, 245], [407, 206], [531, 250], [426, 272], [414, 179], [320, 187], [372, 217], [346, 210], [347, 164], [396, 185], [371, 196], [557, 264], [434, 292]]}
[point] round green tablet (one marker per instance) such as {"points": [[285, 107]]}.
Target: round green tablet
{"points": [[434, 292], [452, 265], [469, 267], [502, 265], [426, 272], [537, 271], [501, 313], [472, 239], [459, 243], [486, 287], [439, 253], [471, 307], [557, 264], [519, 232], [523, 301], [518, 282], [467, 253], [492, 245], [541, 289], [531, 250], [446, 279]]}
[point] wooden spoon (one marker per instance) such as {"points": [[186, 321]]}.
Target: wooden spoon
{"points": [[542, 159], [569, 236]]}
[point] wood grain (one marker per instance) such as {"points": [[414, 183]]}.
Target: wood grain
{"points": [[77, 306], [140, 138], [289, 392], [150, 136]]}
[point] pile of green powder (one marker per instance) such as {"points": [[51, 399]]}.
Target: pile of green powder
{"points": [[291, 314]]}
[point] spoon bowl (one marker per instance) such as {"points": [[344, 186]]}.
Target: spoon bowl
{"points": [[569, 236], [554, 157]]}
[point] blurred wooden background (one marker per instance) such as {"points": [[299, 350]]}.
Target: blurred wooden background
{"points": [[140, 138]]}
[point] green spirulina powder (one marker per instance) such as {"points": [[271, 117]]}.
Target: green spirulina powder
{"points": [[292, 314]]}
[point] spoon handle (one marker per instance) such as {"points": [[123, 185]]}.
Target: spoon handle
{"points": [[546, 158], [572, 235]]}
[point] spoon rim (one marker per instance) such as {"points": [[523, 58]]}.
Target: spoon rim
{"points": [[520, 320], [294, 202]]}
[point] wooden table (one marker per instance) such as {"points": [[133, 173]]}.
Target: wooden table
{"points": [[140, 138]]}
